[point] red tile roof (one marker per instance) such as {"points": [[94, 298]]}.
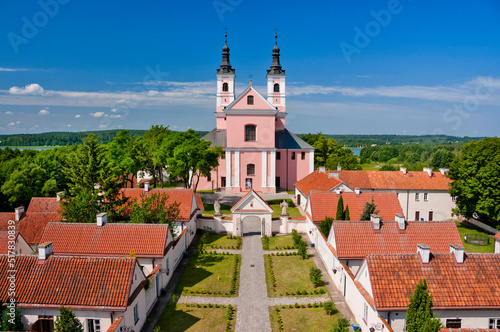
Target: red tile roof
{"points": [[31, 226], [497, 236], [199, 202], [472, 284], [115, 325], [44, 204], [247, 194], [395, 180], [182, 196], [324, 204], [145, 240], [4, 242], [69, 281], [317, 181], [356, 239]]}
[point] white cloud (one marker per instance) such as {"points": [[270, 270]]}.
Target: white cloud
{"points": [[77, 116], [43, 112], [12, 124], [97, 114], [12, 69], [9, 113], [114, 116], [67, 125], [18, 122], [29, 89], [113, 110]]}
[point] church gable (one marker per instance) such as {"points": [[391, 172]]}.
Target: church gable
{"points": [[250, 99], [251, 202]]}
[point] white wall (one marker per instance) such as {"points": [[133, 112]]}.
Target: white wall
{"points": [[497, 246], [31, 316], [439, 201]]}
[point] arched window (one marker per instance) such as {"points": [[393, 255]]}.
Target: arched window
{"points": [[276, 87], [250, 169], [250, 133], [225, 86], [249, 100]]}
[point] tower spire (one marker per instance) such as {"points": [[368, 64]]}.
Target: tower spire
{"points": [[225, 66], [276, 66]]}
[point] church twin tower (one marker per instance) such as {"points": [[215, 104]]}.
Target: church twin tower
{"points": [[275, 80], [259, 152]]}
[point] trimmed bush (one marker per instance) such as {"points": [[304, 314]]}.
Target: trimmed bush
{"points": [[315, 276], [330, 308]]}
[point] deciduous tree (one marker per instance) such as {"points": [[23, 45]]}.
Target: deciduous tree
{"points": [[476, 180], [67, 321], [325, 226]]}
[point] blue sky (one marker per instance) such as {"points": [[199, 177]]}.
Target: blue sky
{"points": [[353, 67]]}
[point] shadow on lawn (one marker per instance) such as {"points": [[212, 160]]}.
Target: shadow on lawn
{"points": [[177, 320], [195, 271]]}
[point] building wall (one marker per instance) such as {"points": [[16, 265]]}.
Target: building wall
{"points": [[264, 131], [30, 316], [497, 246], [290, 170], [439, 202]]}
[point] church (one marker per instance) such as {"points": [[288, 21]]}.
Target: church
{"points": [[259, 152]]}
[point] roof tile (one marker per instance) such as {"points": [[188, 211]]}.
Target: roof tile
{"points": [[317, 181]]}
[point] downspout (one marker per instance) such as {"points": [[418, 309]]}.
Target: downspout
{"points": [[286, 170], [389, 318]]}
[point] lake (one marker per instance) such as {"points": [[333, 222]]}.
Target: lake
{"points": [[28, 147]]}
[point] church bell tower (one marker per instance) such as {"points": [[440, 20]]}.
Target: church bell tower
{"points": [[225, 80], [276, 80]]}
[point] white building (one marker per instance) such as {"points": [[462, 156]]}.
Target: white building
{"points": [[100, 290]]}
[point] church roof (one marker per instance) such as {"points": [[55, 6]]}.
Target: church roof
{"points": [[287, 140], [217, 137]]}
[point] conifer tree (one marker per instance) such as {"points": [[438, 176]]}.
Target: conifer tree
{"points": [[346, 213], [369, 209], [340, 209], [67, 322], [419, 316], [94, 184]]}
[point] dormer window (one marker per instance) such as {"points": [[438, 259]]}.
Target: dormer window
{"points": [[249, 100], [276, 87], [225, 87], [250, 133]]}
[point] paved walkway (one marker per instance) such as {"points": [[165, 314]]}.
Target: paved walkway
{"points": [[252, 302]]}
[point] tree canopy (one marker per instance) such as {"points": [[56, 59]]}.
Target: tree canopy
{"points": [[327, 153], [476, 180], [67, 321], [325, 226], [368, 210]]}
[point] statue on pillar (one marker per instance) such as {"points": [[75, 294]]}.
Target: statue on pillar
{"points": [[284, 206], [217, 206]]}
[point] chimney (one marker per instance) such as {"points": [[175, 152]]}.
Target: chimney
{"points": [[443, 171], [458, 250], [19, 213], [403, 169], [339, 168], [59, 195], [357, 191], [333, 174], [401, 221], [428, 170], [338, 191], [375, 219], [424, 251], [45, 250], [102, 219], [322, 169], [146, 186]]}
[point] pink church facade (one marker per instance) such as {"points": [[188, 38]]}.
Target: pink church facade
{"points": [[260, 153]]}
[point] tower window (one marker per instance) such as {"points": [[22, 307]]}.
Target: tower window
{"points": [[249, 100], [278, 155], [276, 87], [225, 87], [250, 133], [293, 155], [302, 155], [250, 169]]}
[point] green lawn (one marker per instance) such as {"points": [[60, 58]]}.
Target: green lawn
{"points": [[209, 209], [466, 229], [303, 319], [184, 317], [208, 275], [281, 242], [292, 211], [216, 241], [289, 279]]}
